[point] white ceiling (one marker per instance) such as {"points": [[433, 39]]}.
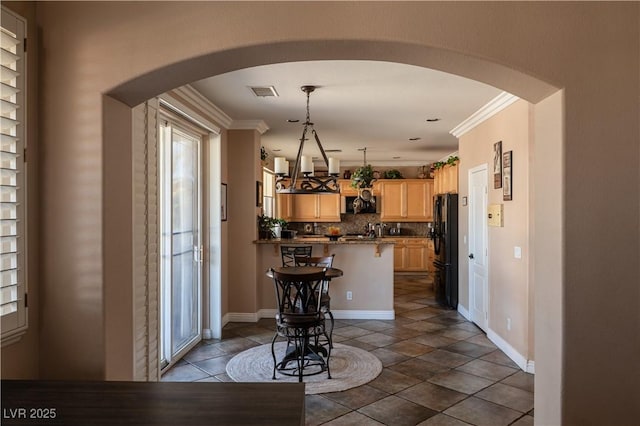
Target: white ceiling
{"points": [[377, 105]]}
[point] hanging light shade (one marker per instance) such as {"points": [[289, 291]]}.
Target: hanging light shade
{"points": [[307, 183]]}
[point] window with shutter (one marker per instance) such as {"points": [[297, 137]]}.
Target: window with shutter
{"points": [[13, 306]]}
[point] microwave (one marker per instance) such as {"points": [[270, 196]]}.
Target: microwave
{"points": [[346, 205]]}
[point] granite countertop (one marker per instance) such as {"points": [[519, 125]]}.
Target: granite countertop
{"points": [[325, 240]]}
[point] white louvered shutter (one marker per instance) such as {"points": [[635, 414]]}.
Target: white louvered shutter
{"points": [[145, 241], [13, 310]]}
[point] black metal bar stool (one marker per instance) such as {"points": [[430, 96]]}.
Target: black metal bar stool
{"points": [[301, 321]]}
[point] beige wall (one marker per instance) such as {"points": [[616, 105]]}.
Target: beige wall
{"points": [[243, 150], [508, 280], [529, 49]]}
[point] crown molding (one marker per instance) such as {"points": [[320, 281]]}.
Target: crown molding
{"points": [[493, 107], [258, 125], [208, 110]]}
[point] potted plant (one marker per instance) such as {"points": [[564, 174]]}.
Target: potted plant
{"points": [[278, 226], [265, 225], [393, 174], [362, 177]]}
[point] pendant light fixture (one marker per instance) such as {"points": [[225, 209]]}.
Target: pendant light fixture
{"points": [[309, 184]]}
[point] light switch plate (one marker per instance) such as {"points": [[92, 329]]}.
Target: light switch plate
{"points": [[517, 252], [494, 215]]}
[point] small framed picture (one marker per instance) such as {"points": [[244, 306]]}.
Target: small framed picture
{"points": [[258, 194], [507, 171], [223, 202], [497, 165]]}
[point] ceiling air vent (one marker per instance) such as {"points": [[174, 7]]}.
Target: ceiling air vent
{"points": [[264, 91]]}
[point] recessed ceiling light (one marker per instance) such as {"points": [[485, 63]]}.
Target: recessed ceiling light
{"points": [[414, 139], [292, 121], [432, 120], [276, 150]]}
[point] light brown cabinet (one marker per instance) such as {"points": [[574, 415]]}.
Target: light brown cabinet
{"points": [[412, 255], [446, 179], [308, 207], [406, 200], [284, 208], [346, 190]]}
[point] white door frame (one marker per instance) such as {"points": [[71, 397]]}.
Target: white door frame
{"points": [[484, 322], [212, 180]]}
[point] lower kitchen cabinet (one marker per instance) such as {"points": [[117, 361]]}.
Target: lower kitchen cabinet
{"points": [[412, 255]]}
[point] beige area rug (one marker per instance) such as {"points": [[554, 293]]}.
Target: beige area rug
{"points": [[350, 367]]}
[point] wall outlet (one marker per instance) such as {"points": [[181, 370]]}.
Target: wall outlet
{"points": [[349, 295], [508, 324]]}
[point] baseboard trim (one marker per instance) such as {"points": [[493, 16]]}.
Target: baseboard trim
{"points": [[511, 352], [531, 367], [350, 314], [463, 311], [242, 317]]}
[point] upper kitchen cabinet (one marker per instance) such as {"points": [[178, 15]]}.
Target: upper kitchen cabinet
{"points": [[284, 207], [446, 179], [406, 200], [308, 207], [346, 190]]}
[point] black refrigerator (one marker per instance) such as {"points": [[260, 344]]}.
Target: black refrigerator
{"points": [[445, 242]]}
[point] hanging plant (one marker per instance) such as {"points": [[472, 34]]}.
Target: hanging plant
{"points": [[362, 177]]}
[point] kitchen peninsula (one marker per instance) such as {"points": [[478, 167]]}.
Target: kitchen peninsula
{"points": [[367, 264]]}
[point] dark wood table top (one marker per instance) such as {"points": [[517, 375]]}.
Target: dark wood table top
{"points": [[72, 403], [331, 272]]}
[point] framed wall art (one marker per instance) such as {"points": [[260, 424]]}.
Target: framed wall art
{"points": [[258, 193], [507, 176], [223, 202], [497, 165]]}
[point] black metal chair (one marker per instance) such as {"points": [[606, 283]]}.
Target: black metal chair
{"points": [[300, 320], [325, 299], [290, 252]]}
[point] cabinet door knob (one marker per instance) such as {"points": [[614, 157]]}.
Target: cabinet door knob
{"points": [[471, 256]]}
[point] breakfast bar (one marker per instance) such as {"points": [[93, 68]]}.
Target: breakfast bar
{"points": [[365, 291]]}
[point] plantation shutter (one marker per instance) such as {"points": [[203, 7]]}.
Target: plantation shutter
{"points": [[13, 306], [145, 241]]}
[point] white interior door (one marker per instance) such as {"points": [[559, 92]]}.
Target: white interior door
{"points": [[478, 247], [180, 245]]}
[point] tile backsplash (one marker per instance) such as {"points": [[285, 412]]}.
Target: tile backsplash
{"points": [[355, 224]]}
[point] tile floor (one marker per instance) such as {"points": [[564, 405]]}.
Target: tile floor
{"points": [[439, 369]]}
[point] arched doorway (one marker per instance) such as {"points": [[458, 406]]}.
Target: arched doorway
{"points": [[187, 71]]}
